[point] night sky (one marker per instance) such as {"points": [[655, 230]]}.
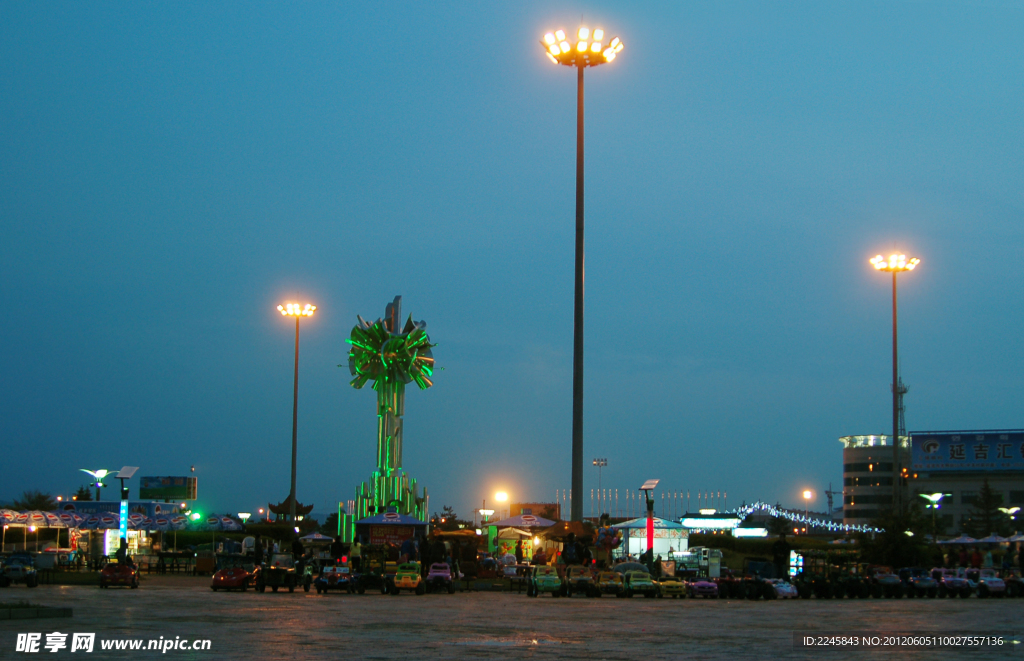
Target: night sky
{"points": [[171, 172]]}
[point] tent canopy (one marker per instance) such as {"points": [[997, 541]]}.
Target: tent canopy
{"points": [[659, 524], [523, 521], [317, 537], [962, 539]]}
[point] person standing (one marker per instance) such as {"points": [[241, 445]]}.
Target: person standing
{"points": [[780, 556], [519, 552], [355, 553], [257, 550]]}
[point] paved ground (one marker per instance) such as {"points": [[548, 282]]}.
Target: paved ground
{"points": [[486, 625]]}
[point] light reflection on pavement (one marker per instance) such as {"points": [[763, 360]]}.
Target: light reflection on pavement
{"points": [[488, 625]]}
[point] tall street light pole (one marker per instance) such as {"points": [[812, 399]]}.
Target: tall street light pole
{"points": [[600, 463], [297, 311], [895, 264], [589, 51]]}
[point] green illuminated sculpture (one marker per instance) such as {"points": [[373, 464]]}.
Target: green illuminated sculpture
{"points": [[390, 358]]}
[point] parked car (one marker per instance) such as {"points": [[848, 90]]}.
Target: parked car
{"points": [[671, 586], [701, 587], [1014, 585], [440, 578], [919, 582], [989, 584], [407, 577], [951, 585], [19, 568], [783, 589], [544, 578], [279, 572], [334, 575], [235, 574], [609, 582], [118, 574], [886, 584], [579, 579], [639, 582]]}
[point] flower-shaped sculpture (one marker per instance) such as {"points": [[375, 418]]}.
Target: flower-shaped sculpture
{"points": [[391, 359]]}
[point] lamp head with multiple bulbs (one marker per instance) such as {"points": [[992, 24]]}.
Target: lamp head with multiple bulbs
{"points": [[894, 263], [589, 50], [296, 310]]}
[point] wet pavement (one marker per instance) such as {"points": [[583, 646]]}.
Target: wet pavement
{"points": [[486, 625]]}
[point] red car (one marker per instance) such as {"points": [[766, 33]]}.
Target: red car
{"points": [[115, 574], [235, 576]]}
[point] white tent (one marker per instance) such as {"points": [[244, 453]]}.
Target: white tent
{"points": [[667, 535]]}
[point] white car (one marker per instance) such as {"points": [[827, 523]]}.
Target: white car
{"points": [[990, 585], [783, 589]]}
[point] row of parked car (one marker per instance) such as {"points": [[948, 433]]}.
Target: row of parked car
{"points": [[627, 580], [944, 582], [325, 575]]}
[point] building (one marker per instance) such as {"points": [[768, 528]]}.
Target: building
{"points": [[954, 463], [551, 511], [867, 476]]}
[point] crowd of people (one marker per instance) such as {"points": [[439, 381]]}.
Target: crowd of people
{"points": [[973, 557]]}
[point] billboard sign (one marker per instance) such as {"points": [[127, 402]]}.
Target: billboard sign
{"points": [[967, 451], [167, 488], [390, 534]]}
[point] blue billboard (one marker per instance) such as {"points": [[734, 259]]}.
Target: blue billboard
{"points": [[967, 451]]}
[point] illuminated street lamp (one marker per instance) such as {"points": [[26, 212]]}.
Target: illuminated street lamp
{"points": [[1010, 512], [590, 50], [895, 264], [808, 494], [934, 505], [501, 497], [98, 476], [297, 311]]}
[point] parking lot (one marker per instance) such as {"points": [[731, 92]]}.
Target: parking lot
{"points": [[490, 624]]}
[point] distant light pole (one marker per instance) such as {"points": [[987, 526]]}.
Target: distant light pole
{"points": [[807, 499], [589, 51], [895, 264], [297, 311], [600, 463], [98, 475], [933, 504]]}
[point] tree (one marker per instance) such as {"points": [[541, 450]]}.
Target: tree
{"points": [[330, 527], [447, 520], [83, 493], [778, 526], [901, 542], [549, 513], [35, 500], [984, 517]]}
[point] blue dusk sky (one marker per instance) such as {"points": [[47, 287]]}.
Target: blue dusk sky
{"points": [[172, 171]]}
